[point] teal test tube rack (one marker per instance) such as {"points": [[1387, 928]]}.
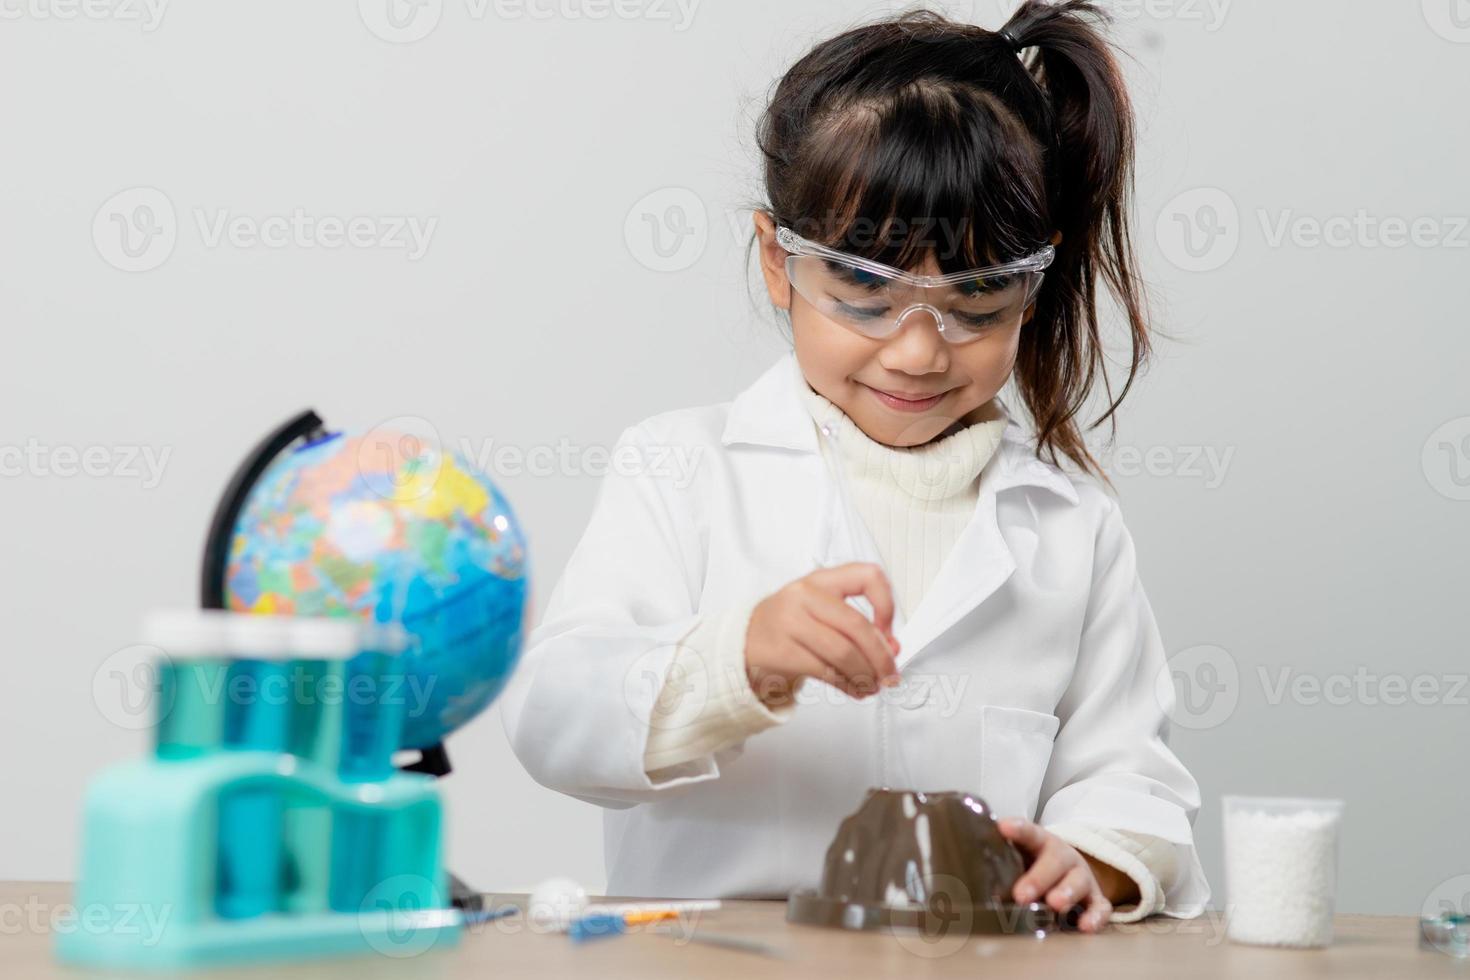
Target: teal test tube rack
{"points": [[270, 823]]}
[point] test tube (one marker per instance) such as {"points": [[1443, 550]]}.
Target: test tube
{"points": [[372, 722], [321, 648], [251, 820], [191, 668]]}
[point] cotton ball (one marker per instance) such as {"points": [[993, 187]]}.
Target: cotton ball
{"points": [[555, 903]]}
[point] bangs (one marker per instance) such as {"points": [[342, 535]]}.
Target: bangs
{"points": [[929, 171]]}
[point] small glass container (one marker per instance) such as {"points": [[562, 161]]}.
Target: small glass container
{"points": [[1281, 870]]}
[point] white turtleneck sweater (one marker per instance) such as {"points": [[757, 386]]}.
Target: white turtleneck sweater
{"points": [[914, 503]]}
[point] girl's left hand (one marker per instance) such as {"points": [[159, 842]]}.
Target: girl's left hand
{"points": [[1057, 871]]}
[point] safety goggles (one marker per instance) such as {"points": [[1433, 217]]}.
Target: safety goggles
{"points": [[874, 299]]}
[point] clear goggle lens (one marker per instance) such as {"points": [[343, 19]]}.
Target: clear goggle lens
{"points": [[862, 296]]}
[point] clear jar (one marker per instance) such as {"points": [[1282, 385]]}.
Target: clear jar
{"points": [[1281, 869]]}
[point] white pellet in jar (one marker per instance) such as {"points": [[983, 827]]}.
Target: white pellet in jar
{"points": [[1281, 870]]}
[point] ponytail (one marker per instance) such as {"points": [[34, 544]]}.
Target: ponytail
{"points": [[1090, 186]]}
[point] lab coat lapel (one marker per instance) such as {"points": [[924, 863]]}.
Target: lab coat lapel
{"points": [[981, 561], [978, 564], [770, 413]]}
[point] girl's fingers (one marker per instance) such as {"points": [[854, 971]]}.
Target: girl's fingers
{"points": [[862, 634], [1043, 875], [1099, 910], [859, 578], [834, 648], [1076, 886], [808, 664], [1024, 834]]}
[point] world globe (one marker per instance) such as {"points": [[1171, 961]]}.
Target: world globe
{"points": [[392, 528]]}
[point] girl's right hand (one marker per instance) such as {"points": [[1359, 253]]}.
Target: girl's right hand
{"points": [[807, 629]]}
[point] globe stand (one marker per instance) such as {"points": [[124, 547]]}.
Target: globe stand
{"points": [[307, 427]]}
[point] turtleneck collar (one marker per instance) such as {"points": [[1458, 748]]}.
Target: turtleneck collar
{"points": [[945, 467]]}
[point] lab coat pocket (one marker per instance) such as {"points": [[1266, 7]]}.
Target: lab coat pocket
{"points": [[1015, 749]]}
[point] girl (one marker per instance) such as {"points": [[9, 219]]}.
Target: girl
{"points": [[874, 577]]}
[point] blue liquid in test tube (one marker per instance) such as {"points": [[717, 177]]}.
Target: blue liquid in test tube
{"points": [[257, 702], [372, 723]]}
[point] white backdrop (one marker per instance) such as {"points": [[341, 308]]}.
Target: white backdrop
{"points": [[521, 223]]}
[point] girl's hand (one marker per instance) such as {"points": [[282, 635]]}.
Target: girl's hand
{"points": [[808, 630], [1059, 872]]}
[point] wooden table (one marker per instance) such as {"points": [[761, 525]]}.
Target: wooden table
{"points": [[1366, 946]]}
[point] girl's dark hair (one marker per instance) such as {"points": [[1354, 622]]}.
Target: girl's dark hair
{"points": [[922, 136]]}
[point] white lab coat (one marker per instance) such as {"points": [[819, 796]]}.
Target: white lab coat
{"points": [[1029, 668]]}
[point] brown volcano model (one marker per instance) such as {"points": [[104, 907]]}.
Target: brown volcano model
{"points": [[933, 861]]}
